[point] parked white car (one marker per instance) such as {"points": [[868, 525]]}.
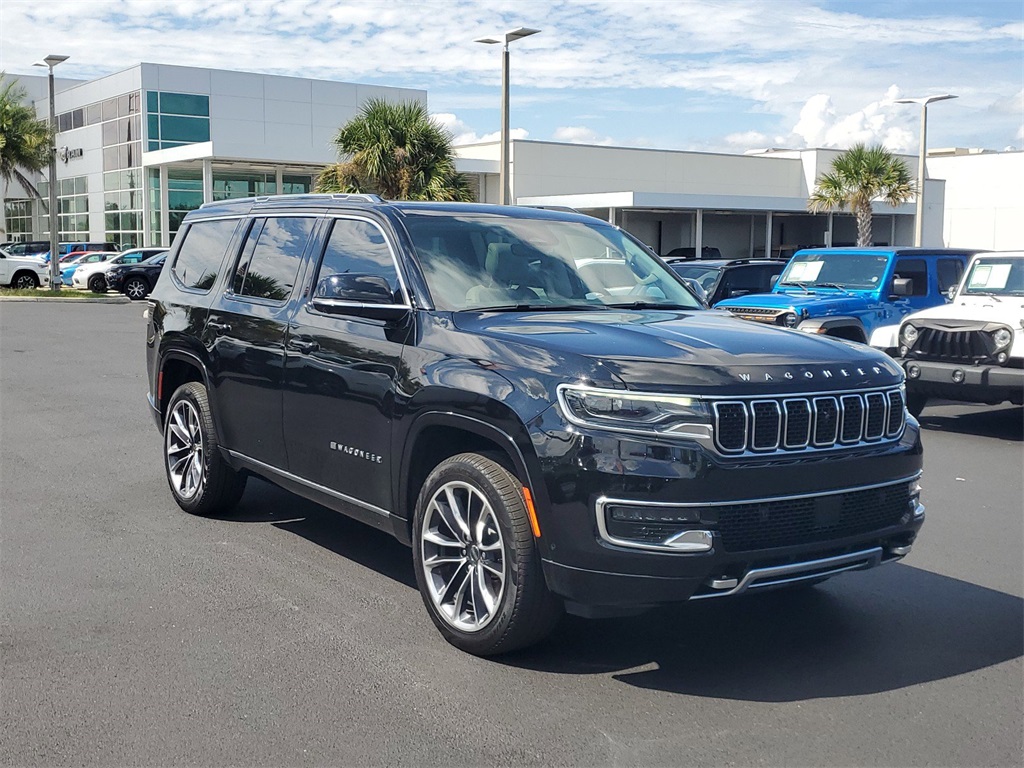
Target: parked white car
{"points": [[23, 271], [92, 276], [973, 348]]}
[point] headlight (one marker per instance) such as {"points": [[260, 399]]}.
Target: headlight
{"points": [[1002, 337], [908, 334], [789, 320], [621, 410]]}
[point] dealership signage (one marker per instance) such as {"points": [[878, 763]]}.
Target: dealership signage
{"points": [[66, 153]]}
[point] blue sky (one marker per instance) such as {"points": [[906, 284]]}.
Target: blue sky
{"points": [[714, 75]]}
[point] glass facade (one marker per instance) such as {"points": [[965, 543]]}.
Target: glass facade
{"points": [[184, 194], [228, 185], [122, 205], [18, 214], [72, 207], [174, 119]]}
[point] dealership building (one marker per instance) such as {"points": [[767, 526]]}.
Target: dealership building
{"points": [[140, 148]]}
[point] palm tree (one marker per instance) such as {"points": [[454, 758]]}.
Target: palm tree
{"points": [[398, 152], [25, 140], [860, 175]]}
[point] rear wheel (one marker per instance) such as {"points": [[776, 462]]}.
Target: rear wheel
{"points": [[201, 481], [98, 284], [477, 564], [25, 281], [135, 288]]}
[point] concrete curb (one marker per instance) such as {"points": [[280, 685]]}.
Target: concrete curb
{"points": [[56, 299]]}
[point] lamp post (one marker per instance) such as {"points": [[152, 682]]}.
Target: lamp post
{"points": [[924, 101], [50, 62], [508, 37]]}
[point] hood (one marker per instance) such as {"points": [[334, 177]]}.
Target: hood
{"points": [[835, 301], [983, 309], [675, 351]]}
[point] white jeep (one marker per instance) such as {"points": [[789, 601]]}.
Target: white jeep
{"points": [[22, 271], [973, 348]]}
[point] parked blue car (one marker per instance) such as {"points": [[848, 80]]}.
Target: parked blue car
{"points": [[860, 294], [67, 268]]}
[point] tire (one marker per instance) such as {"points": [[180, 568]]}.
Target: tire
{"points": [[201, 481], [98, 284], [24, 281], [507, 605], [916, 404], [136, 288]]}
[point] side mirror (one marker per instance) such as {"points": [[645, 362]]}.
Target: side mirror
{"points": [[738, 292], [951, 292], [773, 281], [697, 289], [357, 294], [903, 286]]}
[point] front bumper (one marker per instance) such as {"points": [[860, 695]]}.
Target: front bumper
{"points": [[751, 524], [990, 384]]}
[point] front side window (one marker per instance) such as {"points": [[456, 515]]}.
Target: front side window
{"points": [[358, 248], [480, 262], [916, 270], [271, 257], [949, 271], [199, 259]]}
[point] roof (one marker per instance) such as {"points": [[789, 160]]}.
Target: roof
{"points": [[894, 250]]}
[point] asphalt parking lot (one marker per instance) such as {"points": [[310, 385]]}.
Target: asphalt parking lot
{"points": [[133, 634]]}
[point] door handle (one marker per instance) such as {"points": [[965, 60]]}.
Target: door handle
{"points": [[303, 346], [218, 328]]}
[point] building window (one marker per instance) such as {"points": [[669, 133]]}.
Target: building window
{"points": [[184, 194], [296, 185], [18, 214], [174, 119], [228, 185], [72, 207], [122, 206]]}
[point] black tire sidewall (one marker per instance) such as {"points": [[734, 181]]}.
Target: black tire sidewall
{"points": [[95, 281], [460, 468]]}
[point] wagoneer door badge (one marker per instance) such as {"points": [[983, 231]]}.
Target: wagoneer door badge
{"points": [[358, 453], [824, 373]]}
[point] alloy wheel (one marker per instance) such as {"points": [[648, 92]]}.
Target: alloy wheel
{"points": [[25, 282], [135, 289], [463, 556], [184, 447]]}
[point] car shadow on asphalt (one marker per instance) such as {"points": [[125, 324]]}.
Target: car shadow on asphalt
{"points": [[859, 634], [988, 421], [264, 502]]}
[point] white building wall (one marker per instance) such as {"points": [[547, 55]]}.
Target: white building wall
{"points": [[984, 199]]}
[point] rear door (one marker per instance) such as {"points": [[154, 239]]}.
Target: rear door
{"points": [[245, 335]]}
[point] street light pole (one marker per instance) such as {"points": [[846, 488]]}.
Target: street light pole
{"points": [[924, 101], [50, 62], [504, 193]]}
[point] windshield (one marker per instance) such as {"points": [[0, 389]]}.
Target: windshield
{"points": [[476, 262], [834, 270], [995, 277]]}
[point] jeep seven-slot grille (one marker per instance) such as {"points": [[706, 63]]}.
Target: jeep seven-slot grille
{"points": [[952, 346], [796, 423], [792, 522]]}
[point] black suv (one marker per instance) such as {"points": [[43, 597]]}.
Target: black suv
{"points": [[543, 441], [725, 278]]}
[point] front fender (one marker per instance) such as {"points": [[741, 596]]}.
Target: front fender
{"points": [[827, 325]]}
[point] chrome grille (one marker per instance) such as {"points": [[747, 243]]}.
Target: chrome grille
{"points": [[769, 425]]}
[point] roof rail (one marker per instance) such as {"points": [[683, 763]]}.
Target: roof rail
{"points": [[348, 197]]}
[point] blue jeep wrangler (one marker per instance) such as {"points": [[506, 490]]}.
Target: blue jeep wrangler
{"points": [[860, 294]]}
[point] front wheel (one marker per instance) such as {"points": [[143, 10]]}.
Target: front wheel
{"points": [[477, 564], [26, 281], [98, 284], [136, 288], [201, 481]]}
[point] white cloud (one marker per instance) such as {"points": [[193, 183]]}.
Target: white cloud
{"points": [[464, 134], [879, 122], [578, 134]]}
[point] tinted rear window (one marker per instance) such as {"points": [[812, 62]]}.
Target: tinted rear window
{"points": [[202, 252]]}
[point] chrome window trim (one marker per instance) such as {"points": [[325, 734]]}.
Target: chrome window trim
{"points": [[309, 484]]}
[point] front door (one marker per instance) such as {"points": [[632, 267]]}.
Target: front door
{"points": [[340, 373]]}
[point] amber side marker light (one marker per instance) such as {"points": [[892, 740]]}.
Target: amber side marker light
{"points": [[531, 512]]}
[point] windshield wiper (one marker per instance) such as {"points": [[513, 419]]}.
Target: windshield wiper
{"points": [[536, 308], [830, 285], [803, 286], [985, 293], [647, 305]]}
